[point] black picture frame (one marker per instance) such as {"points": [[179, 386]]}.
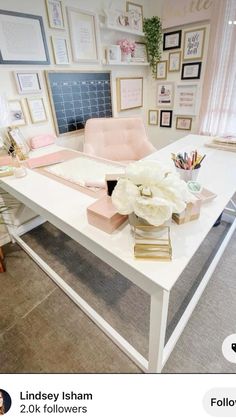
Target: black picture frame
{"points": [[191, 77], [37, 23], [176, 44], [161, 118]]}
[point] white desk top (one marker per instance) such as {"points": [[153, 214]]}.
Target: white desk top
{"points": [[66, 208]]}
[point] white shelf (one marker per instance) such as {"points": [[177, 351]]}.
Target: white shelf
{"points": [[132, 63], [121, 29]]}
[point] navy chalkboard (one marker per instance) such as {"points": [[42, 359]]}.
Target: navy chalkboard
{"points": [[78, 96]]}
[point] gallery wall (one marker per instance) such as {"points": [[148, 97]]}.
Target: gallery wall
{"points": [[158, 135]]}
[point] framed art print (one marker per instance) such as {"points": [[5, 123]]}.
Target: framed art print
{"points": [[191, 71], [28, 82], [37, 110], [22, 39], [60, 50], [183, 123], [55, 14], [135, 16], [186, 99], [194, 44], [161, 73], [172, 40], [140, 53], [16, 113], [174, 61], [153, 117], [165, 94], [113, 54], [129, 93], [83, 33], [166, 119]]}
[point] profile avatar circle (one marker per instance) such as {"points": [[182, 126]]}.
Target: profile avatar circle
{"points": [[5, 402]]}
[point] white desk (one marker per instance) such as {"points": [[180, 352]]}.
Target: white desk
{"points": [[65, 208]]}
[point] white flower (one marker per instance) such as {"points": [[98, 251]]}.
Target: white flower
{"points": [[145, 173], [152, 191], [155, 210], [124, 196]]}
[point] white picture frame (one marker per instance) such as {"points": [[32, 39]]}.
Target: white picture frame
{"points": [[194, 44], [60, 50], [16, 113], [165, 94], [113, 54], [129, 93], [37, 109], [84, 35], [55, 14], [22, 39], [28, 82], [186, 99]]}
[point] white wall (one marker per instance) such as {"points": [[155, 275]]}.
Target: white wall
{"points": [[7, 82], [159, 136], [164, 136]]}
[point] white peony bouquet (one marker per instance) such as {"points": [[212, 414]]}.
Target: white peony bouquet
{"points": [[151, 191]]}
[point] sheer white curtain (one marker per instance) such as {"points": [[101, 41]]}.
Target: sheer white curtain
{"points": [[218, 109]]}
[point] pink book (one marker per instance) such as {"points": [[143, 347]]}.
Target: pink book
{"points": [[46, 160]]}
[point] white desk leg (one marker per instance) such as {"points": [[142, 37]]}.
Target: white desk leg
{"points": [[157, 331]]}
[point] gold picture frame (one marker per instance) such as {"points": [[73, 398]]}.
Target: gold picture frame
{"points": [[55, 14], [153, 117], [184, 123], [161, 70], [194, 40], [174, 61], [138, 10], [37, 110], [129, 93]]}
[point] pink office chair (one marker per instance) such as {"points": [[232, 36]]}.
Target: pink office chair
{"points": [[120, 139]]}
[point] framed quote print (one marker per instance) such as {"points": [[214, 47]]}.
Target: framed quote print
{"points": [[194, 44], [153, 117], [161, 73], [60, 50], [37, 110], [166, 119], [191, 71], [129, 93], [186, 99], [172, 40], [83, 33], [165, 94], [28, 82]]}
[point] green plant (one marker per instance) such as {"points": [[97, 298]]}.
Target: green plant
{"points": [[152, 28]]}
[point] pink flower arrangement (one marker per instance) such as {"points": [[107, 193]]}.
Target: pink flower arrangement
{"points": [[126, 46]]}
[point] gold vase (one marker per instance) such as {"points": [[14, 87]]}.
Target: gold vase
{"points": [[151, 242]]}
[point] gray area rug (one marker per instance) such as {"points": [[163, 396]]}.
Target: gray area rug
{"points": [[41, 330]]}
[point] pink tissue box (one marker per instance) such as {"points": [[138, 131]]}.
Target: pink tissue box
{"points": [[103, 215], [42, 141]]}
